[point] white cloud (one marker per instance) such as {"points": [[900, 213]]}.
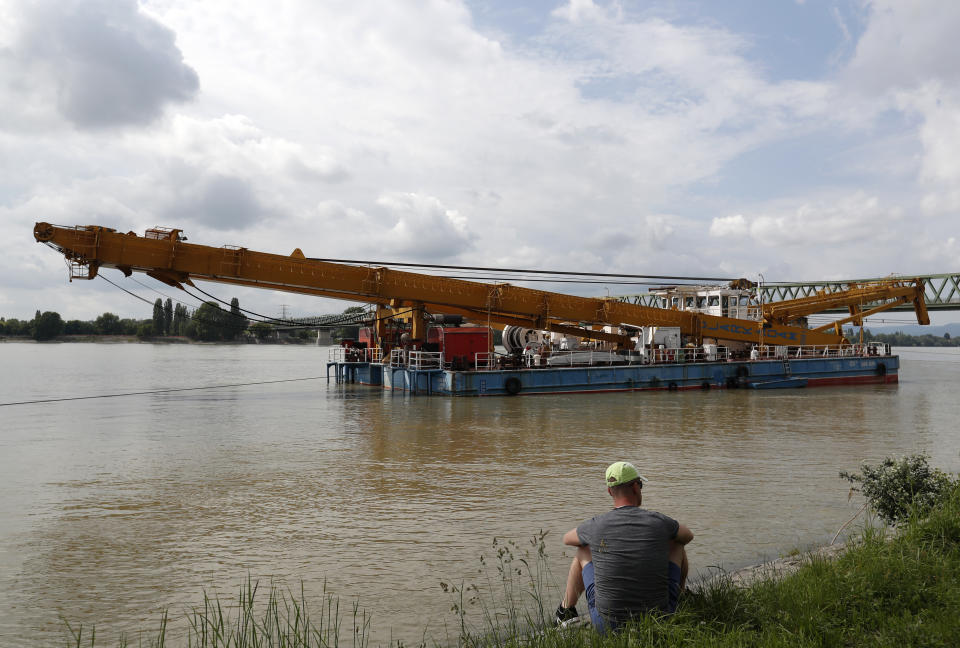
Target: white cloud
{"points": [[424, 227], [815, 226], [724, 226], [102, 63], [577, 11], [906, 44]]}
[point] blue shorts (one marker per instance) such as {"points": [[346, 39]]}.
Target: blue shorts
{"points": [[601, 624]]}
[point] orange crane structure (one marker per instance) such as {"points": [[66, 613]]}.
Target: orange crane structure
{"points": [[165, 255]]}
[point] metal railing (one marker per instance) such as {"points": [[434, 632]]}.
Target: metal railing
{"points": [[681, 355], [491, 361], [821, 351], [354, 354], [420, 360], [577, 358], [485, 361]]}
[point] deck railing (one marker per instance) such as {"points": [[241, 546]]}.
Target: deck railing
{"points": [[421, 360], [491, 361], [354, 354], [681, 355], [485, 361], [822, 351]]}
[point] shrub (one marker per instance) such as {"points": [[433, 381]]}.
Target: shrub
{"points": [[896, 487]]}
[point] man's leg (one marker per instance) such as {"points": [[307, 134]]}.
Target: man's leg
{"points": [[677, 572], [575, 577], [678, 556]]}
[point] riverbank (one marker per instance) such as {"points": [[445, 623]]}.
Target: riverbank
{"points": [[877, 590]]}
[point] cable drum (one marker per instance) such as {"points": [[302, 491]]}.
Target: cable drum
{"points": [[518, 338]]}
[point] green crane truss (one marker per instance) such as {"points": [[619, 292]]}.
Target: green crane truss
{"points": [[941, 292]]}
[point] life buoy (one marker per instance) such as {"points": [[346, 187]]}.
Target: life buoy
{"points": [[881, 369], [512, 385], [672, 386]]}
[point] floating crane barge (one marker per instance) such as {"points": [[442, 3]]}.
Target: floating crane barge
{"points": [[710, 337]]}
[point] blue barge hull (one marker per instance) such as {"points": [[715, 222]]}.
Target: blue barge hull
{"points": [[854, 370]]}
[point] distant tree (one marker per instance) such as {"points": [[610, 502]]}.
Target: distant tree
{"points": [[129, 326], [108, 324], [261, 330], [79, 327], [185, 319], [211, 322], [179, 320], [48, 326], [15, 328], [158, 317], [168, 317], [145, 330], [946, 336], [237, 321]]}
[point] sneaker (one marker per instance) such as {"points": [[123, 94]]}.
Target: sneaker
{"points": [[565, 614]]}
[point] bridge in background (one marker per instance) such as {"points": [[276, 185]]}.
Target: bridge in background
{"points": [[942, 292], [318, 322]]}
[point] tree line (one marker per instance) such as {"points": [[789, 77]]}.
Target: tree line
{"points": [[208, 323], [903, 340]]}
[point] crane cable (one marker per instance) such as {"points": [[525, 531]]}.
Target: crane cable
{"points": [[347, 319], [266, 319], [563, 273], [343, 319]]}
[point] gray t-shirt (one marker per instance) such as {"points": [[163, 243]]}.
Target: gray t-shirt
{"points": [[630, 548]]}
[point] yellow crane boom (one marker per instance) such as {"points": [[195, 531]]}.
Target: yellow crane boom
{"points": [[883, 295], [165, 255]]}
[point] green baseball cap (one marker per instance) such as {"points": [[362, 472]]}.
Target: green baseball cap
{"points": [[622, 472]]}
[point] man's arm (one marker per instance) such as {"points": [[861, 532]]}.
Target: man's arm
{"points": [[571, 538], [684, 535]]}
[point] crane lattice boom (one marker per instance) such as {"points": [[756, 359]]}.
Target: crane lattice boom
{"points": [[165, 255]]}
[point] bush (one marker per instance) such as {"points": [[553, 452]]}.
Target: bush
{"points": [[146, 330], [897, 487]]}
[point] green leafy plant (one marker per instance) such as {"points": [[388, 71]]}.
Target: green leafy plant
{"points": [[895, 488]]}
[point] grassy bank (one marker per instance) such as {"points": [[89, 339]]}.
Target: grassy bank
{"points": [[903, 591], [900, 591], [882, 591]]}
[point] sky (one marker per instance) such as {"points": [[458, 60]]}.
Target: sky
{"points": [[800, 140]]}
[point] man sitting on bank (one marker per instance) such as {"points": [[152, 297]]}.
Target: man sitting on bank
{"points": [[629, 561]]}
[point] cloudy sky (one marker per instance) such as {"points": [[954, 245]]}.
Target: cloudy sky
{"points": [[804, 140]]}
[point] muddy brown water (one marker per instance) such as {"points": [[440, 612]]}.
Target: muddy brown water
{"points": [[114, 509]]}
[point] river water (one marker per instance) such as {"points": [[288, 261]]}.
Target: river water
{"points": [[114, 509]]}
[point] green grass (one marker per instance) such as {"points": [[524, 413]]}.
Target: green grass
{"points": [[899, 592]]}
